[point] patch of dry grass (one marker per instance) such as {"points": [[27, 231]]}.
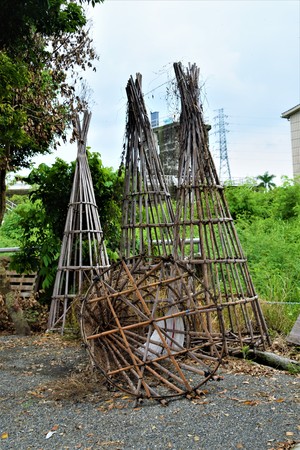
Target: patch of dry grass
{"points": [[87, 385]]}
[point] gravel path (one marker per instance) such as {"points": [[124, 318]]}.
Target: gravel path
{"points": [[45, 387]]}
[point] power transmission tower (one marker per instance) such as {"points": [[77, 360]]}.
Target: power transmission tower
{"points": [[224, 171]]}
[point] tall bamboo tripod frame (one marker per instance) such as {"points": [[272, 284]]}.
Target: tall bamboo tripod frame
{"points": [[83, 252]]}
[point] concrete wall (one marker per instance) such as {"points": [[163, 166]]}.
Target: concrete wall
{"points": [[168, 142], [168, 148], [167, 137], [295, 138]]}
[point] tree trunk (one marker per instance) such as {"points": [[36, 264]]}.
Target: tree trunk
{"points": [[271, 360], [2, 192], [4, 163]]}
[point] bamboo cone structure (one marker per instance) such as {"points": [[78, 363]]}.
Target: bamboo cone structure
{"points": [[83, 252], [143, 326], [205, 235], [148, 216]]}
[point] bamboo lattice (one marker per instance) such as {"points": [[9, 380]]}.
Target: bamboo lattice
{"points": [[205, 235], [145, 331], [83, 252], [148, 216]]}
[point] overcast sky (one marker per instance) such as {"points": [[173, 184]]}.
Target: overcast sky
{"points": [[248, 53]]}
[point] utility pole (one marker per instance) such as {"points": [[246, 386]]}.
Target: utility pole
{"points": [[224, 171]]}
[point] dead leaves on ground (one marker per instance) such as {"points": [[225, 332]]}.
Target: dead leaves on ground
{"points": [[245, 367], [45, 340], [252, 402], [285, 445]]}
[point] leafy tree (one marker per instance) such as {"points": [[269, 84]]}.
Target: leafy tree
{"points": [[38, 243], [53, 184], [21, 21], [43, 45], [266, 181], [246, 201], [286, 200], [52, 187], [40, 223], [108, 186]]}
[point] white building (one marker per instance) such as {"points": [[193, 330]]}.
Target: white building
{"points": [[293, 115]]}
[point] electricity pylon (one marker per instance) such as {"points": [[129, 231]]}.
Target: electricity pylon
{"points": [[224, 169]]}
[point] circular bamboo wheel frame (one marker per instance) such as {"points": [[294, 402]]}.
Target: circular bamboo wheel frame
{"points": [[147, 332]]}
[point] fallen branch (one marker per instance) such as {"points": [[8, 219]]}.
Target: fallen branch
{"points": [[271, 359]]}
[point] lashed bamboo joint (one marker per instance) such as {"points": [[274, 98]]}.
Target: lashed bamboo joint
{"points": [[83, 252]]}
